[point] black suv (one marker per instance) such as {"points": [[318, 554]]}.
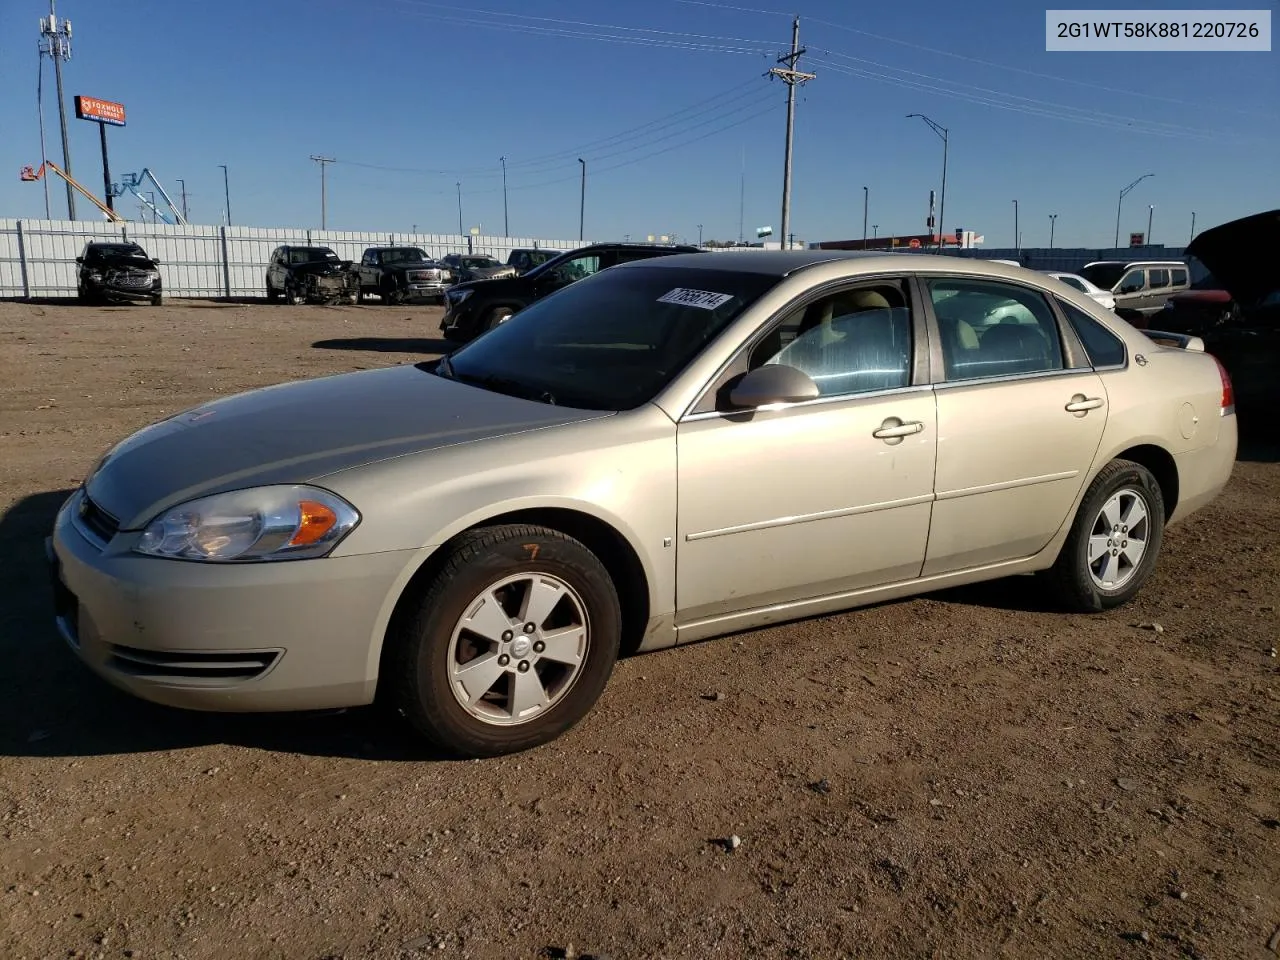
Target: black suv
{"points": [[117, 271], [472, 308]]}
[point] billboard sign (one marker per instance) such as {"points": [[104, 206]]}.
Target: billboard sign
{"points": [[1136, 239], [100, 111], [762, 232]]}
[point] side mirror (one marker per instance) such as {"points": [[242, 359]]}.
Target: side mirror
{"points": [[773, 383]]}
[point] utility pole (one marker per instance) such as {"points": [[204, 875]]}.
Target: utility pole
{"points": [[582, 204], [40, 110], [866, 203], [183, 184], [226, 189], [57, 43], [1193, 226], [460, 230], [1151, 209], [742, 199], [945, 134], [323, 161], [1017, 237], [506, 223], [699, 236], [1053, 217], [791, 77], [1123, 194]]}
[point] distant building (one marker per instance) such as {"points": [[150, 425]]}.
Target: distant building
{"points": [[960, 239]]}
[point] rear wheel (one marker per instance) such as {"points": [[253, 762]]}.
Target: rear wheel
{"points": [[1114, 540], [509, 646]]}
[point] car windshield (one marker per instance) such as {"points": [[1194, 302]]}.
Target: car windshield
{"points": [[404, 255], [610, 342], [312, 255], [480, 262], [1104, 275], [117, 250]]}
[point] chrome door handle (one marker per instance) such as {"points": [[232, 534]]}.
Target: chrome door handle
{"points": [[888, 431], [1080, 403]]}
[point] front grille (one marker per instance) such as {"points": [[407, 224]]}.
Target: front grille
{"points": [[129, 280], [220, 667], [96, 520]]}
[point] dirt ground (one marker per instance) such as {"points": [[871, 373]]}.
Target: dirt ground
{"points": [[961, 775]]}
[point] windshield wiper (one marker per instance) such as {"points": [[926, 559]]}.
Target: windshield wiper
{"points": [[505, 385]]}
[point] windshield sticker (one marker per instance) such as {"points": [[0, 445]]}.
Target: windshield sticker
{"points": [[702, 299]]}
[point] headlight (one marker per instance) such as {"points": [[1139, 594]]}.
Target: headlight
{"points": [[457, 296], [262, 523]]}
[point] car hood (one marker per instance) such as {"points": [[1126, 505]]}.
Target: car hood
{"points": [[1243, 254], [124, 263], [298, 432], [317, 266]]}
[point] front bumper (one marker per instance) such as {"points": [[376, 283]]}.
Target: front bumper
{"points": [[115, 291], [286, 635], [421, 289], [458, 321]]}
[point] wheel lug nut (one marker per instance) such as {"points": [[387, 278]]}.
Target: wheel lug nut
{"points": [[539, 647], [503, 660], [507, 636], [530, 627], [524, 666]]}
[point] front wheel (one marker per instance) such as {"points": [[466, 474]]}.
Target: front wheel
{"points": [[498, 316], [292, 295], [509, 646], [1114, 540]]}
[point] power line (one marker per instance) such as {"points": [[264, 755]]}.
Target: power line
{"points": [[1105, 88], [718, 102]]}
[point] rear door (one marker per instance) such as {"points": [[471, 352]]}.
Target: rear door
{"points": [[1020, 418]]}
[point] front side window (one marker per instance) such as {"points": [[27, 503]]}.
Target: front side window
{"points": [[994, 329], [1103, 347], [852, 341], [1134, 281], [611, 342]]}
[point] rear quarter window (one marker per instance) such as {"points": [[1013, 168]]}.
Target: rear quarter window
{"points": [[1103, 347]]}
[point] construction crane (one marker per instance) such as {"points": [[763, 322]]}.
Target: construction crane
{"points": [[31, 174], [132, 181]]}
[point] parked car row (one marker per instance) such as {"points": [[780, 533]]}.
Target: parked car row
{"points": [[316, 274]]}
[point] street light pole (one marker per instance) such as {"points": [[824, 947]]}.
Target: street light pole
{"points": [[1052, 222], [1193, 226], [875, 230], [582, 203], [1151, 209], [945, 134], [226, 189], [1123, 194], [699, 236], [1017, 241], [460, 230], [866, 201], [506, 223]]}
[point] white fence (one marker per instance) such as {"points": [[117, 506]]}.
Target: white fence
{"points": [[38, 257]]}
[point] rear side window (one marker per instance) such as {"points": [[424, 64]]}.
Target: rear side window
{"points": [[1158, 278], [1104, 348], [1179, 278]]}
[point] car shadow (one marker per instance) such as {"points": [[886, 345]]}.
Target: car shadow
{"points": [[53, 706], [1020, 594], [388, 345]]}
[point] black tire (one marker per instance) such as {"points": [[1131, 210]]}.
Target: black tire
{"points": [[392, 296], [157, 300], [360, 294], [1070, 581], [272, 295], [497, 315], [415, 668], [292, 295]]}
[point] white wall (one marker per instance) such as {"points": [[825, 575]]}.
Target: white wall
{"points": [[37, 257]]}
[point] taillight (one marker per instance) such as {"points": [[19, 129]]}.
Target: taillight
{"points": [[1228, 405]]}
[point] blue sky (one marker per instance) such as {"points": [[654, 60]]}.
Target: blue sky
{"points": [[440, 91]]}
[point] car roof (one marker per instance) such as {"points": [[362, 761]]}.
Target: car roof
{"points": [[1137, 263]]}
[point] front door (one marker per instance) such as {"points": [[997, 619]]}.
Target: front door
{"points": [[1017, 431], [815, 498]]}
